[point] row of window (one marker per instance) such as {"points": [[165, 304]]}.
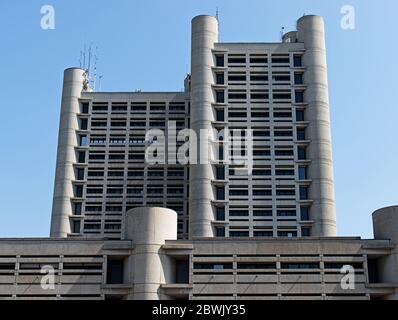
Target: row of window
{"points": [[257, 59], [241, 95]]}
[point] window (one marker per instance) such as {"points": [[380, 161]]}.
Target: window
{"points": [[305, 213], [300, 134], [298, 265], [220, 232], [220, 193], [220, 213], [76, 226], [114, 274], [239, 233], [211, 265], [302, 173], [182, 271], [305, 231], [297, 60], [301, 153], [80, 174], [298, 78], [79, 191], [299, 115], [83, 142], [220, 115], [81, 157], [219, 60], [220, 153], [77, 208], [83, 124], [220, 173], [299, 96], [220, 97], [303, 193], [219, 78], [85, 107]]}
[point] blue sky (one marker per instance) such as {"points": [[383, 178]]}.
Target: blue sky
{"points": [[146, 45]]}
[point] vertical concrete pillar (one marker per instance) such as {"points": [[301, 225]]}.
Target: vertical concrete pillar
{"points": [[66, 156], [385, 227], [311, 33], [204, 35], [148, 267]]}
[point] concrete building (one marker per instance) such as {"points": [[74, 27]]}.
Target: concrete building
{"points": [[258, 223], [274, 92]]}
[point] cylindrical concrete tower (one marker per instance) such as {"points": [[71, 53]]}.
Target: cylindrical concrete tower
{"points": [[204, 35], [148, 268], [385, 227], [385, 224], [66, 156], [311, 33]]}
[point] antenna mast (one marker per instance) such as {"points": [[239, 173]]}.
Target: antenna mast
{"points": [[218, 20]]}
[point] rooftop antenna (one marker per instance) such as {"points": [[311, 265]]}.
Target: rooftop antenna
{"points": [[218, 20], [84, 57]]}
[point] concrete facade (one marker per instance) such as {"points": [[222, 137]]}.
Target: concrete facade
{"points": [[279, 185], [124, 228]]}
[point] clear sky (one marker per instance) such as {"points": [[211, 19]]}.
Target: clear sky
{"points": [[146, 45]]}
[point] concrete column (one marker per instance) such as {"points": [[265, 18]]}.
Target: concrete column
{"points": [[385, 226], [66, 156], [323, 212], [204, 35], [148, 267]]}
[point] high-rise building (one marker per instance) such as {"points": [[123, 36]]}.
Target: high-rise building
{"points": [[265, 171], [250, 216]]}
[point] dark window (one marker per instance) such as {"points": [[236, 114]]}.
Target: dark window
{"points": [[219, 60], [85, 107], [220, 115], [76, 226], [298, 78], [220, 173], [182, 271], [286, 213], [114, 273], [297, 61], [280, 60], [263, 234], [305, 265], [239, 233], [301, 152], [299, 115], [220, 193], [220, 153], [81, 157], [83, 141], [83, 124], [220, 232], [302, 173], [305, 231], [219, 78], [300, 134], [80, 174], [212, 265], [220, 97], [79, 191], [77, 208], [220, 212], [299, 96], [305, 213], [303, 193], [288, 234], [256, 265]]}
